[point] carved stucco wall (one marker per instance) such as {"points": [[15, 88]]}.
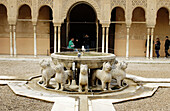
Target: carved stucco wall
{"points": [[163, 3], [96, 4], [45, 2], [118, 3], [22, 2], [139, 3]]}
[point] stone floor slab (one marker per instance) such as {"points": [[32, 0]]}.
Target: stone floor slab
{"points": [[64, 104], [102, 105], [23, 90], [153, 80]]}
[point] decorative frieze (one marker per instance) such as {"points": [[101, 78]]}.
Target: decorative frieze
{"points": [[4, 2], [21, 2], [163, 3], [45, 2], [121, 3], [139, 3]]}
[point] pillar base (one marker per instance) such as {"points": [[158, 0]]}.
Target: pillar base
{"points": [[73, 85]]}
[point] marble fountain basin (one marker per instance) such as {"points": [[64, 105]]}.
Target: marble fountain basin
{"points": [[92, 59]]}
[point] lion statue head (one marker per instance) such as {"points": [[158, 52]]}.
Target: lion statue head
{"points": [[83, 69], [107, 66], [123, 65], [59, 68], [44, 63]]}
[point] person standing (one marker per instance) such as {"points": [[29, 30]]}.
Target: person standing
{"points": [[157, 47], [77, 45], [167, 43], [86, 42], [71, 44]]}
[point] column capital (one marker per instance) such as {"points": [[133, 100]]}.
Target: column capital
{"points": [[127, 26], [57, 24], [150, 26], [105, 25], [34, 23]]}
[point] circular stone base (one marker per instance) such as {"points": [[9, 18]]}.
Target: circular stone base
{"points": [[96, 90]]}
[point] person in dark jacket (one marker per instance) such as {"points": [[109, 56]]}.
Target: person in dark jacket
{"points": [[157, 47], [86, 42], [167, 43]]}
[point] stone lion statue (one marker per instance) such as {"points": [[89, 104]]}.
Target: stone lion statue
{"points": [[47, 72], [119, 73], [83, 78], [104, 75], [60, 77], [70, 76]]}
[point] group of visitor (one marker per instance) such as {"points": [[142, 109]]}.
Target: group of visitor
{"points": [[158, 46], [75, 44]]}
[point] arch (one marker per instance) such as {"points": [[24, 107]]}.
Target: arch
{"points": [[119, 7], [4, 30], [162, 26], [43, 7], [134, 14], [71, 3], [160, 9], [122, 11], [89, 11], [22, 6], [82, 19], [4, 6]]}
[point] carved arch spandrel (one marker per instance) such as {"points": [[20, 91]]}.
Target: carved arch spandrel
{"points": [[71, 3], [45, 2]]}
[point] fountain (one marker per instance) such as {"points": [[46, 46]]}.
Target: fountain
{"points": [[85, 80], [88, 73]]}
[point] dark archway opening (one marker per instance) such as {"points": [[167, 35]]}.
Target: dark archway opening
{"points": [[46, 26], [82, 20], [117, 15]]}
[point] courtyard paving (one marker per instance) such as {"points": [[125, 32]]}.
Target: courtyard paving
{"points": [[25, 67]]}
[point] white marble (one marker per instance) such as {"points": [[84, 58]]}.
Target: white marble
{"points": [[102, 105], [64, 104], [142, 79], [23, 90]]}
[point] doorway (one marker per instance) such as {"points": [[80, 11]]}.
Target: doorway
{"points": [[82, 21]]}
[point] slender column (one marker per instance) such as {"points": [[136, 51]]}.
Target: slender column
{"points": [[97, 34], [67, 28], [151, 50], [147, 50], [59, 39], [107, 39], [14, 35], [35, 40], [103, 33], [127, 44], [11, 47], [55, 39]]}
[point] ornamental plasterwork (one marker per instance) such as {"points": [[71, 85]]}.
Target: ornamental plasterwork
{"points": [[45, 2], [121, 3], [98, 2], [141, 3], [21, 2], [4, 2], [163, 3], [67, 4]]}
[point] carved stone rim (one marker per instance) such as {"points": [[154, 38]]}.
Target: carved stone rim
{"points": [[104, 56]]}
